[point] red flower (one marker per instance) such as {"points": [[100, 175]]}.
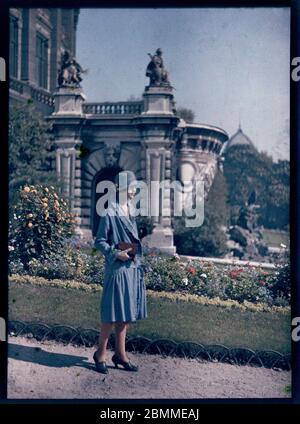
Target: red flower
{"points": [[236, 272], [192, 270]]}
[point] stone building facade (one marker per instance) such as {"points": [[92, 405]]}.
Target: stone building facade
{"points": [[38, 37]]}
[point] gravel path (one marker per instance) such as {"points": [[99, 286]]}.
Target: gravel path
{"points": [[54, 371]]}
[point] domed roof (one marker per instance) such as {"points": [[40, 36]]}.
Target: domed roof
{"points": [[239, 138]]}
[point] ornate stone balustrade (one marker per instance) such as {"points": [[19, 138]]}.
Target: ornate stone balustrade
{"points": [[116, 108], [36, 93], [16, 85], [42, 96], [105, 108]]}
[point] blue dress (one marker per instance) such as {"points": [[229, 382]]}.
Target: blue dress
{"points": [[124, 291]]}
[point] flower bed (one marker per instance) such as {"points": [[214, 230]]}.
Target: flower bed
{"points": [[247, 283], [170, 274]]}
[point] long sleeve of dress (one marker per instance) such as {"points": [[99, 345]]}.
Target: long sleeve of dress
{"points": [[101, 241]]}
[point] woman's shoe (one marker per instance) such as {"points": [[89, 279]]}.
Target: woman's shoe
{"points": [[100, 366], [128, 366]]}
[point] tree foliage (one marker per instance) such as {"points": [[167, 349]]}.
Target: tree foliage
{"points": [[209, 239], [245, 170], [31, 149], [187, 114]]}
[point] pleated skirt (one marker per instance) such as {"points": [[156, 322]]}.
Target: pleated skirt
{"points": [[124, 296]]}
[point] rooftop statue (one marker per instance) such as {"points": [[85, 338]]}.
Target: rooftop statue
{"points": [[70, 72], [158, 75]]}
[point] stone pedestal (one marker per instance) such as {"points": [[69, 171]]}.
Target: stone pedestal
{"points": [[156, 125], [68, 101], [67, 121], [158, 101], [162, 239]]}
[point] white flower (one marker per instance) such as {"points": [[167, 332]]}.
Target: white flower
{"points": [[185, 281], [282, 245], [11, 248], [203, 275]]}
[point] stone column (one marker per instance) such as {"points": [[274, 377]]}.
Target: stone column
{"points": [[67, 121], [65, 168], [28, 64], [156, 125]]}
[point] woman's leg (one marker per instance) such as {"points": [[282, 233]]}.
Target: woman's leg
{"points": [[106, 329], [120, 329]]}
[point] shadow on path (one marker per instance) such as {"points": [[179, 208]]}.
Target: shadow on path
{"points": [[39, 356]]}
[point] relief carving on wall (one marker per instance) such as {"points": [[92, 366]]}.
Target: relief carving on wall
{"points": [[111, 155]]}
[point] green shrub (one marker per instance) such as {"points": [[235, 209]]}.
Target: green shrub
{"points": [[40, 224], [208, 239], [32, 152], [166, 274], [280, 285], [144, 226], [69, 264]]}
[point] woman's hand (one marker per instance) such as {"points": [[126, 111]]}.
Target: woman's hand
{"points": [[123, 256]]}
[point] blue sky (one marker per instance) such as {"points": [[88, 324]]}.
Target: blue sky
{"points": [[227, 65]]}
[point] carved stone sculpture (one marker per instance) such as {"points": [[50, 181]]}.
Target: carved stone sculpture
{"points": [[246, 234], [156, 71], [111, 156], [70, 72]]}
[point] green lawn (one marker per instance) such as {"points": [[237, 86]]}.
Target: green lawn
{"points": [[176, 318]]}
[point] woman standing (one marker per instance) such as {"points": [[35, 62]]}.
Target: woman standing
{"points": [[124, 290]]}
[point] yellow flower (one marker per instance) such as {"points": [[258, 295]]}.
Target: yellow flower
{"points": [[46, 189], [30, 224], [26, 189], [30, 215], [45, 205]]}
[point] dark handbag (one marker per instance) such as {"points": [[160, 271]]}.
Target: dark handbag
{"points": [[122, 245]]}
